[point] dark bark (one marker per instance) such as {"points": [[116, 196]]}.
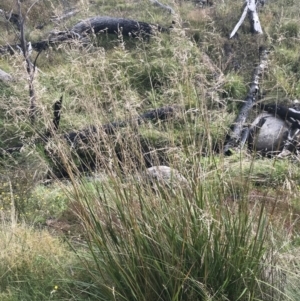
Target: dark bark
{"points": [[112, 25], [95, 25], [84, 136], [39, 46], [56, 119], [56, 113], [283, 112], [234, 137], [11, 150], [83, 142], [12, 18]]}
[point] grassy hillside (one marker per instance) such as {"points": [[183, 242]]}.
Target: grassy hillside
{"points": [[231, 233]]}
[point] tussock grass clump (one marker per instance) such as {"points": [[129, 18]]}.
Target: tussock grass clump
{"points": [[224, 236], [164, 246]]}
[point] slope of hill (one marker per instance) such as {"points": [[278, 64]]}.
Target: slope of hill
{"points": [[164, 93]]}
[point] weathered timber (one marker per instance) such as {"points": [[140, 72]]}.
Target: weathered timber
{"points": [[55, 122], [84, 136], [54, 39], [163, 6], [253, 17], [234, 137], [250, 9], [113, 25], [283, 112], [95, 25], [65, 16]]}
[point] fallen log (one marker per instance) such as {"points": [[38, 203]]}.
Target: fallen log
{"points": [[83, 136], [234, 137], [39, 46], [94, 25], [75, 138], [283, 112], [86, 144], [113, 25]]}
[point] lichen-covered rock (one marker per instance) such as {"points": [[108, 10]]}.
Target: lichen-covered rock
{"points": [[5, 77], [166, 176], [268, 134]]}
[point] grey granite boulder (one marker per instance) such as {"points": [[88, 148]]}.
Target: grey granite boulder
{"points": [[268, 134], [5, 77], [166, 176]]}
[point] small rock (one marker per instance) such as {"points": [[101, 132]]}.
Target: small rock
{"points": [[5, 77], [268, 134], [166, 175]]}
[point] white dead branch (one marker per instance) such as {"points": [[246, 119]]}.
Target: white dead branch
{"points": [[163, 6], [250, 9], [65, 16]]}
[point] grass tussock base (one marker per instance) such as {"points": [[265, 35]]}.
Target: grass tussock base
{"points": [[221, 238], [34, 265], [162, 245]]}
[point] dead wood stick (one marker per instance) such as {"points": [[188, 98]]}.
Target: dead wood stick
{"points": [[234, 137], [25, 47], [250, 9], [163, 6]]}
